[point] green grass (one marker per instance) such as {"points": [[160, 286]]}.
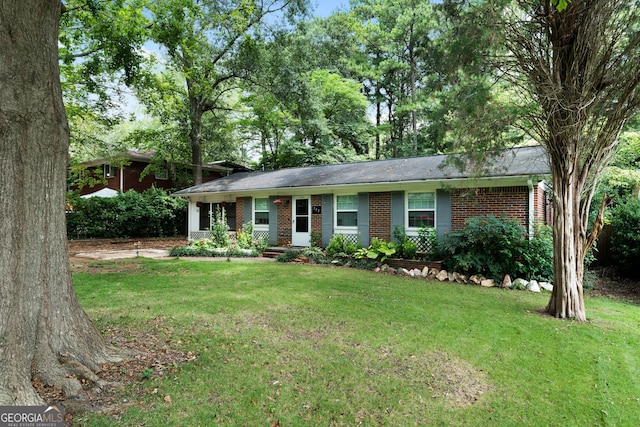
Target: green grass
{"points": [[318, 346]]}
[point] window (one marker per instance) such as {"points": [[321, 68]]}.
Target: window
{"points": [[161, 173], [347, 211], [109, 171], [421, 209], [261, 212]]}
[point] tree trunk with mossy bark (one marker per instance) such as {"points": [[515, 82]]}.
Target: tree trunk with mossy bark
{"points": [[43, 330]]}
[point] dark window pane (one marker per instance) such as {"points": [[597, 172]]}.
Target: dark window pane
{"points": [[262, 218], [302, 207], [302, 224], [204, 216], [421, 219], [347, 219]]}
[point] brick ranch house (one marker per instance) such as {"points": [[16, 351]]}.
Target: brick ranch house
{"points": [[370, 199]]}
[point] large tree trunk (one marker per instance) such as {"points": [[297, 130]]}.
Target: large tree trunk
{"points": [[43, 330]]}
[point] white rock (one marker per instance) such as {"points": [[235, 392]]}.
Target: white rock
{"points": [[476, 279], [460, 278], [442, 275], [506, 282], [533, 286], [546, 286], [425, 272], [487, 283], [520, 284]]}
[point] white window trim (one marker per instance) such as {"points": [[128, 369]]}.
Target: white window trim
{"points": [[413, 231], [338, 228], [259, 227]]}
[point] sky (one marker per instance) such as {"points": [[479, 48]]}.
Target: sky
{"points": [[321, 8], [324, 8]]}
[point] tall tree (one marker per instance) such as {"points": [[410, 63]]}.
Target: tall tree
{"points": [[43, 330], [579, 64], [209, 44]]}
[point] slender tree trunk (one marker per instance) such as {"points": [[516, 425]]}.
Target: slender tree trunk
{"points": [[378, 123], [195, 138], [43, 330], [567, 300]]}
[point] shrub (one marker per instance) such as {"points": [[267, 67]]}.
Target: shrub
{"points": [[288, 256], [538, 258], [486, 245], [379, 250], [340, 244], [244, 237], [219, 230], [625, 240], [152, 213], [405, 248]]}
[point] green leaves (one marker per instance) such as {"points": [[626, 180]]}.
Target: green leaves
{"points": [[560, 4]]}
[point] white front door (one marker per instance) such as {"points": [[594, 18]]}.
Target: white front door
{"points": [[301, 222]]}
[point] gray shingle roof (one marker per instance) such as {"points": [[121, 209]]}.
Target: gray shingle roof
{"points": [[522, 161]]}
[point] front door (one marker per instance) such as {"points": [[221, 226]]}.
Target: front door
{"points": [[301, 226]]}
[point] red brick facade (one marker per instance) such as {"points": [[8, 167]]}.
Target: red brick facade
{"points": [[510, 201], [316, 218], [380, 216], [465, 203], [285, 211], [239, 213], [128, 177]]}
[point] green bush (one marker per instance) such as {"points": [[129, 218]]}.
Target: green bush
{"points": [[379, 250], [494, 247], [340, 244], [405, 248], [219, 230], [288, 256], [204, 249], [152, 213], [244, 236], [538, 258], [625, 240]]}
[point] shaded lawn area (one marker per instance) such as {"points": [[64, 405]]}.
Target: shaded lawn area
{"points": [[309, 345]]}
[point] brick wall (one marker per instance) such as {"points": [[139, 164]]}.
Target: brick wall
{"points": [[284, 220], [469, 202], [380, 216], [239, 212]]}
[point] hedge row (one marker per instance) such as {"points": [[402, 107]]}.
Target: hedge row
{"points": [[152, 213]]}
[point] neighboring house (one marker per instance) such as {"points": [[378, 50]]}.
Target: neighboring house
{"points": [[126, 172], [370, 199]]}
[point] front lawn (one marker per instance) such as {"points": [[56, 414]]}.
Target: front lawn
{"points": [[300, 345]]}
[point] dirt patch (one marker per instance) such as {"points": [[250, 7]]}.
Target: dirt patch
{"points": [[446, 376], [152, 357], [77, 246], [616, 288]]}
